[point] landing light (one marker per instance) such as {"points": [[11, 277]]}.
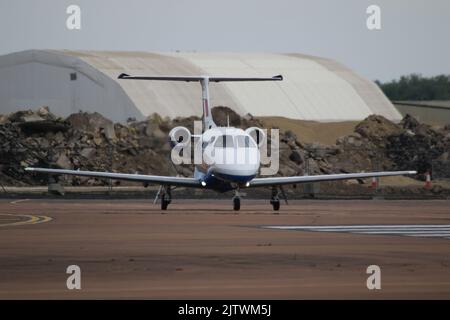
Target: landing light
{"points": [[247, 184], [203, 184]]}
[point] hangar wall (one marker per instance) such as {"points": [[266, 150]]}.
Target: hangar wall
{"points": [[32, 79], [313, 88]]}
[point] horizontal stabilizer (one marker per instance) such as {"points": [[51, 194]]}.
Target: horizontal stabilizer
{"points": [[220, 79], [199, 78]]}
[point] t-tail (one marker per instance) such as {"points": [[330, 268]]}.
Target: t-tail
{"points": [[208, 121]]}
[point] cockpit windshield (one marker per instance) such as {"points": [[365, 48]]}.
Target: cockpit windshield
{"points": [[225, 141], [245, 142], [229, 141]]}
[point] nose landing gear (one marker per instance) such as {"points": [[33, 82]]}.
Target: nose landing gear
{"points": [[236, 203], [236, 200]]}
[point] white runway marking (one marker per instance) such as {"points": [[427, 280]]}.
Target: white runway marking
{"points": [[409, 230], [18, 201]]}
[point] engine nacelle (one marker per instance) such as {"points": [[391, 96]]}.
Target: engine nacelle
{"points": [[179, 136], [257, 134]]}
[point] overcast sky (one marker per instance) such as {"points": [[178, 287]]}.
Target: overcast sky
{"points": [[414, 35]]}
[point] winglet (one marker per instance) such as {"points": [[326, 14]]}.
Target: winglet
{"points": [[123, 76], [278, 77]]}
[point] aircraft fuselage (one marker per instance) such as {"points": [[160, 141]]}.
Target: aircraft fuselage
{"points": [[231, 159]]}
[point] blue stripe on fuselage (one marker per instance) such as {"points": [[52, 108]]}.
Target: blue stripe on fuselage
{"points": [[213, 182], [221, 182]]}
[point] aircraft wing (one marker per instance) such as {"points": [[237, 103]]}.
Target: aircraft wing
{"points": [[273, 181], [167, 180]]}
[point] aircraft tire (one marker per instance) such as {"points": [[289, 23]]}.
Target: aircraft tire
{"points": [[276, 205], [236, 204], [164, 204]]}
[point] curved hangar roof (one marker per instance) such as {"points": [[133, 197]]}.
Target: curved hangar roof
{"points": [[68, 81]]}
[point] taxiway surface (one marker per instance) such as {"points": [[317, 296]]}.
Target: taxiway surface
{"points": [[202, 249]]}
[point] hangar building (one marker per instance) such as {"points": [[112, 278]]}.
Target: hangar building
{"points": [[69, 81]]}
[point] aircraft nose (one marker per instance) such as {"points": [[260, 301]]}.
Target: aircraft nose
{"points": [[236, 164], [241, 174], [238, 172], [246, 169]]}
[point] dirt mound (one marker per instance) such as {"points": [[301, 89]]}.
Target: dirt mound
{"points": [[311, 131], [423, 147], [377, 128], [91, 142], [84, 140], [93, 123]]}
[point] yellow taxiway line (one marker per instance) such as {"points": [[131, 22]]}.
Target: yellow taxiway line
{"points": [[30, 219]]}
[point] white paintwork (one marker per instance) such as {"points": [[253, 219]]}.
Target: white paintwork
{"points": [[233, 161]]}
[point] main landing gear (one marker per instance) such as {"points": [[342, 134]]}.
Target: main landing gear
{"points": [[274, 199], [165, 195]]}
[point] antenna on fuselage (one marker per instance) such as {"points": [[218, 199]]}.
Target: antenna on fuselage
{"points": [[208, 121]]}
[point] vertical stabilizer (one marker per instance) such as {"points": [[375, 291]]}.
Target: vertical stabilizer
{"points": [[208, 121]]}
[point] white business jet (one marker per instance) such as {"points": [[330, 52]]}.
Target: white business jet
{"points": [[219, 145]]}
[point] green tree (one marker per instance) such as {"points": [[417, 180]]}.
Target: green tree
{"points": [[416, 87]]}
